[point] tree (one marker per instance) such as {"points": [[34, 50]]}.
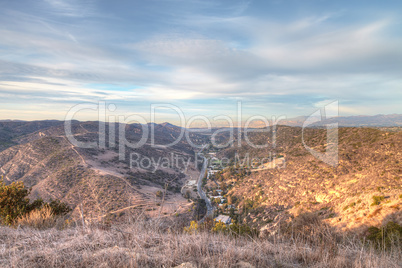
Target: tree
{"points": [[187, 195], [223, 186], [13, 201], [159, 194], [217, 201], [235, 229], [232, 213], [232, 199], [58, 208], [200, 208]]}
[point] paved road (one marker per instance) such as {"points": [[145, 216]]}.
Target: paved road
{"points": [[201, 193]]}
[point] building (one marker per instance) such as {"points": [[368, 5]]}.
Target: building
{"points": [[225, 219], [212, 172]]}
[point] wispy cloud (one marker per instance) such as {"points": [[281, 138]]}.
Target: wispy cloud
{"points": [[72, 8], [203, 55]]}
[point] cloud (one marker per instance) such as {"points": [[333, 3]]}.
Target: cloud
{"points": [[203, 51], [72, 8]]}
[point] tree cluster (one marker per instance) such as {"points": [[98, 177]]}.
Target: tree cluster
{"points": [[14, 203]]}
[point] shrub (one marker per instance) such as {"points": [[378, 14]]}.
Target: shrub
{"points": [[219, 226], [14, 204], [192, 229], [159, 194], [58, 208], [308, 228], [187, 195], [13, 201], [377, 200], [39, 218], [234, 229], [386, 236], [350, 205]]}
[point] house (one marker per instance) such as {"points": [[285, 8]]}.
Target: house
{"points": [[225, 219]]}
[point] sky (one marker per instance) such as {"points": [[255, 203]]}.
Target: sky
{"points": [[203, 57]]}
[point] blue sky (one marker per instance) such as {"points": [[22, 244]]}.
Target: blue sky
{"points": [[276, 57]]}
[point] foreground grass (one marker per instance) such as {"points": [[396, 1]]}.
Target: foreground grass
{"points": [[150, 244]]}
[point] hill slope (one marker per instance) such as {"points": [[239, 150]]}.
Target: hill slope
{"points": [[363, 189], [94, 178]]}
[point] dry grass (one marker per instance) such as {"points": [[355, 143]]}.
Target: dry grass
{"points": [[153, 244], [42, 218]]}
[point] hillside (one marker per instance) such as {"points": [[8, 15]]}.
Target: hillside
{"points": [[306, 212], [94, 179], [365, 189], [10, 130]]}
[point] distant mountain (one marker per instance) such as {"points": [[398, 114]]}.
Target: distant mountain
{"points": [[12, 129], [11, 120], [350, 121]]}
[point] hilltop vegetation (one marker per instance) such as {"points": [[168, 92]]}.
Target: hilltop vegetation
{"points": [[15, 205], [162, 243]]}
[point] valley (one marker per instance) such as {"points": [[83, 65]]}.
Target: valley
{"points": [[262, 187], [95, 178]]}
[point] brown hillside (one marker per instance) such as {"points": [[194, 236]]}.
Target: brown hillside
{"points": [[369, 169]]}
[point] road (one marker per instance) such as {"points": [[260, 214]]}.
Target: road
{"points": [[201, 193]]}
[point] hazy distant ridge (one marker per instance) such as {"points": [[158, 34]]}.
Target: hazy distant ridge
{"points": [[351, 121]]}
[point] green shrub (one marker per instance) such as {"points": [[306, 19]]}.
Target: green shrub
{"points": [[235, 229], [377, 200], [159, 194], [386, 236], [14, 203], [58, 208], [352, 204]]}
